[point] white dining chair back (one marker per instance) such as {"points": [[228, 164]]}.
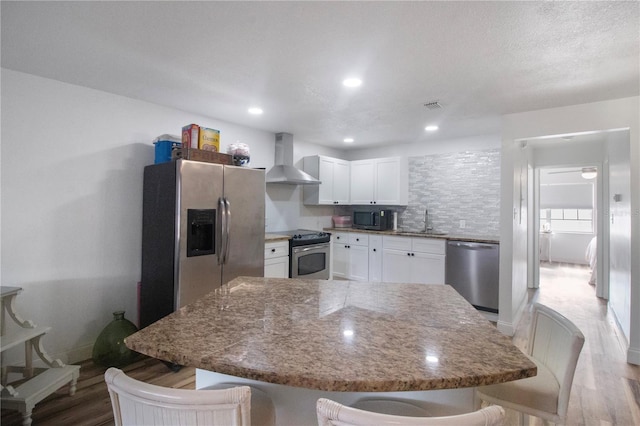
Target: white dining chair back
{"points": [[554, 345], [332, 413], [138, 403]]}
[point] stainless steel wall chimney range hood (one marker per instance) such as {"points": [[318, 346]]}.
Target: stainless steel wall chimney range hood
{"points": [[283, 171]]}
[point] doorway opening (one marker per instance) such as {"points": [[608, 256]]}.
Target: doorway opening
{"points": [[567, 216], [569, 192]]}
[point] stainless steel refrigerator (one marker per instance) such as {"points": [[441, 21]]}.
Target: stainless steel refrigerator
{"points": [[202, 226]]}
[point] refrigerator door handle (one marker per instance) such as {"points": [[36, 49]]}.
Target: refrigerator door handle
{"points": [[223, 226], [227, 230]]}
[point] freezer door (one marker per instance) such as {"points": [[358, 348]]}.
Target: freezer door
{"points": [[244, 190], [200, 186]]}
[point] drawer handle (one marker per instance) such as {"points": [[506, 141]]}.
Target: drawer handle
{"points": [[273, 250]]}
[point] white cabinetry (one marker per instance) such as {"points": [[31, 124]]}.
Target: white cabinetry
{"points": [[362, 182], [413, 260], [381, 181], [351, 256], [276, 259], [334, 175], [340, 255], [375, 258]]}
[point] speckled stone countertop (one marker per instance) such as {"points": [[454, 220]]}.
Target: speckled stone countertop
{"points": [[337, 336], [492, 239], [272, 238]]}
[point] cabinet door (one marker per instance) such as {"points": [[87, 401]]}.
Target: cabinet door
{"points": [[375, 258], [326, 169], [392, 181], [277, 267], [340, 255], [340, 260], [362, 181], [340, 182], [396, 266], [359, 263], [387, 180], [427, 268]]}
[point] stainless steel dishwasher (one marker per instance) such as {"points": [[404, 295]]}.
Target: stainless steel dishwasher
{"points": [[472, 269]]}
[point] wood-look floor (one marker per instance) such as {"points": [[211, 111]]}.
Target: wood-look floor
{"points": [[606, 390]]}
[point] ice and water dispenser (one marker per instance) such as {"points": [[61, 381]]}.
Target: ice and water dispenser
{"points": [[201, 234]]}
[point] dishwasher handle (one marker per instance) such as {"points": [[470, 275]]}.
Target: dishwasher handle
{"points": [[471, 246]]}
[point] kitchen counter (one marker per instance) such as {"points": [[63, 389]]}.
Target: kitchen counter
{"points": [[337, 336], [449, 237], [272, 238]]}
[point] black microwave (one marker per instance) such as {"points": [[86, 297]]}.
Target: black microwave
{"points": [[379, 220]]}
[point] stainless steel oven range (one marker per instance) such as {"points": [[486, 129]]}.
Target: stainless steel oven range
{"points": [[309, 254]]}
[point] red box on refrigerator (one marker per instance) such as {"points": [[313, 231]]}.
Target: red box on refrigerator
{"points": [[190, 136]]}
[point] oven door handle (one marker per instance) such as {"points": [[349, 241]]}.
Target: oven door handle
{"points": [[313, 247]]}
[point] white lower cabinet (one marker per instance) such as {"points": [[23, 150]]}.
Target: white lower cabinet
{"points": [[389, 258], [276, 259], [351, 256], [375, 258], [413, 260]]}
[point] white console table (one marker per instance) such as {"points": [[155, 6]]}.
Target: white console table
{"points": [[35, 384]]}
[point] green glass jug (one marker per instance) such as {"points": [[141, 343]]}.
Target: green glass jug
{"points": [[109, 349]]}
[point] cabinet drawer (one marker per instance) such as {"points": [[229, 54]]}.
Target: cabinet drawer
{"points": [[415, 244], [359, 239], [277, 249], [340, 237], [429, 245], [392, 242]]}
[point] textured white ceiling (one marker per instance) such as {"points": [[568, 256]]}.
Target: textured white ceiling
{"points": [[478, 59]]}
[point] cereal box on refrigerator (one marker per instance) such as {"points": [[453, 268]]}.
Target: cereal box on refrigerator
{"points": [[209, 139], [190, 135]]}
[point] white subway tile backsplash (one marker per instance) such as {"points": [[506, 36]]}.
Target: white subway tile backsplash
{"points": [[454, 187]]}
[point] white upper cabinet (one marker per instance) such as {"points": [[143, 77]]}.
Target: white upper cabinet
{"points": [[383, 181], [362, 183], [334, 175]]}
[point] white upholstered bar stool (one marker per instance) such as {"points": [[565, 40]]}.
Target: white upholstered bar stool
{"points": [[331, 413], [390, 406], [554, 346], [263, 412], [139, 403]]}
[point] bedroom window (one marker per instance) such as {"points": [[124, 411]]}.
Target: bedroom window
{"points": [[567, 220]]}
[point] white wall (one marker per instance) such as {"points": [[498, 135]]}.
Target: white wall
{"points": [[598, 116], [285, 210], [72, 163], [620, 238]]}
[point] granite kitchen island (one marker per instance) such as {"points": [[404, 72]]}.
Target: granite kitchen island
{"points": [[300, 339]]}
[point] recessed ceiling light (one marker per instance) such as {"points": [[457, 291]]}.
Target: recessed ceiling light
{"points": [[348, 140], [431, 128], [352, 82], [255, 110]]}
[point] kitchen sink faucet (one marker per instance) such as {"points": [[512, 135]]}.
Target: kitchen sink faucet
{"points": [[426, 221]]}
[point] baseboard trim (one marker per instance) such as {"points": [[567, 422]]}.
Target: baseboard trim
{"points": [[509, 328], [633, 356]]}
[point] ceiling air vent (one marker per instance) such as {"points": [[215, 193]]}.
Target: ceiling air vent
{"points": [[433, 105]]}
